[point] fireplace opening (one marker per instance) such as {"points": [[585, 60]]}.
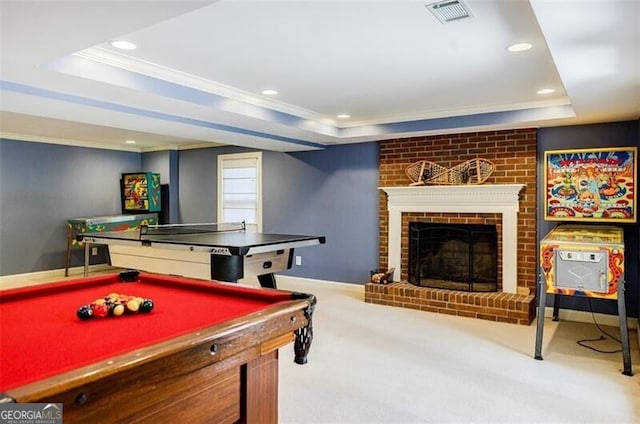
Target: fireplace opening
{"points": [[453, 256]]}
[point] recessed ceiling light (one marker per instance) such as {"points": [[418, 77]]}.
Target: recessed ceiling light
{"points": [[546, 91], [269, 92], [123, 45], [343, 116], [130, 142], [519, 47]]}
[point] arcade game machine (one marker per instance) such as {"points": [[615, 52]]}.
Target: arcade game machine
{"points": [[141, 203], [587, 260], [141, 192]]}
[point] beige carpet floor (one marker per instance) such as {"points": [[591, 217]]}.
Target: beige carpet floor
{"points": [[380, 364]]}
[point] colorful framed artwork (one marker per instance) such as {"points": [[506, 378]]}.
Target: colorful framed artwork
{"points": [[590, 185]]}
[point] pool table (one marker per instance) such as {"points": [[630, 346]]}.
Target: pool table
{"points": [[206, 352]]}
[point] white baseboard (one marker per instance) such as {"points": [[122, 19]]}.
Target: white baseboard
{"points": [[38, 277], [313, 280], [583, 316]]}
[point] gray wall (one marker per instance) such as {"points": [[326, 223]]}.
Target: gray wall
{"points": [[331, 193], [157, 162], [43, 185], [198, 173], [620, 134], [166, 164]]}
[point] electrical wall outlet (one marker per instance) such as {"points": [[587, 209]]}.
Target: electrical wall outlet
{"points": [[298, 260]]}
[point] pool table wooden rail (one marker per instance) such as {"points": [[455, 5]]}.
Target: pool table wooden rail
{"points": [[225, 373]]}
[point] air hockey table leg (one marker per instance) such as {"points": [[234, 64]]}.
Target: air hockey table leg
{"points": [[267, 280], [87, 250]]}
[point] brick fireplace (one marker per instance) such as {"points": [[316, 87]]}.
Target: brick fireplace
{"points": [[507, 200]]}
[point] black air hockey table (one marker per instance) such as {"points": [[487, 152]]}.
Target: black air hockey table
{"points": [[222, 252]]}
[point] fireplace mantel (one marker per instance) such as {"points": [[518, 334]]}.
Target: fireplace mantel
{"points": [[485, 198]]}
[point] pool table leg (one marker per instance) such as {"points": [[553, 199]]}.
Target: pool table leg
{"points": [[304, 335]]}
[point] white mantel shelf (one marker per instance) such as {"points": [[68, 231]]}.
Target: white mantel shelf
{"points": [[486, 198]]}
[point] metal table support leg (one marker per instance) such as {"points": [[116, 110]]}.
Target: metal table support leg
{"points": [[624, 330], [267, 280], [69, 243], [87, 250], [556, 307], [542, 300]]}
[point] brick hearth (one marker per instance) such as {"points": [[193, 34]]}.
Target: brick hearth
{"points": [[514, 154], [502, 307]]}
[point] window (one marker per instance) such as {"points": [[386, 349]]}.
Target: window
{"points": [[240, 189]]}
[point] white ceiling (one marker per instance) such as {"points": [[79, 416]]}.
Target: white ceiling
{"points": [[200, 66]]}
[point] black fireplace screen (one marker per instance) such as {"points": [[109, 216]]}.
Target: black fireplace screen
{"points": [[453, 256]]}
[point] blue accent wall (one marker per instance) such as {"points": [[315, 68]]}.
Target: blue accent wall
{"points": [[619, 134], [166, 164], [332, 193], [197, 188], [157, 162], [44, 185]]}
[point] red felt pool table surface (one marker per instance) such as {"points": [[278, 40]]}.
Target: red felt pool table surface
{"points": [[42, 336]]}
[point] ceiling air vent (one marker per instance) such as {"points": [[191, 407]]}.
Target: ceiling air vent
{"points": [[450, 10]]}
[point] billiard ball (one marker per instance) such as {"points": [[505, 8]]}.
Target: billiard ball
{"points": [[85, 312], [118, 310], [146, 305], [100, 311], [133, 306]]}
